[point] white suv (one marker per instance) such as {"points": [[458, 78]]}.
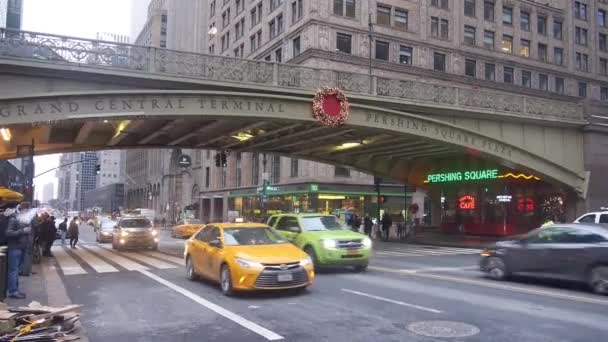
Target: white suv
{"points": [[594, 217]]}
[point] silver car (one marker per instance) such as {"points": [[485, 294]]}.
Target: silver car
{"points": [[134, 232], [574, 252]]}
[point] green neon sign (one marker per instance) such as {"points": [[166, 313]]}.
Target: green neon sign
{"points": [[457, 176]]}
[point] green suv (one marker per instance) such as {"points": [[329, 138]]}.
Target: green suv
{"points": [[324, 239]]}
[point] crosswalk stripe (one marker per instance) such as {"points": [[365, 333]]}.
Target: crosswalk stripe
{"points": [[66, 262], [120, 260], [166, 257], [148, 260], [95, 262]]}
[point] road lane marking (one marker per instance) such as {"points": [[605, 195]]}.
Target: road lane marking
{"points": [[495, 285], [267, 334], [414, 306], [179, 261], [430, 269], [98, 264], [148, 260], [120, 260], [66, 262]]}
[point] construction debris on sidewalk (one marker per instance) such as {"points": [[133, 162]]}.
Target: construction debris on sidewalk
{"points": [[38, 323]]}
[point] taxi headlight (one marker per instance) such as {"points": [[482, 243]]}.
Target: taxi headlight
{"points": [[154, 232], [329, 243], [106, 233], [124, 234], [367, 243], [306, 261], [247, 264]]}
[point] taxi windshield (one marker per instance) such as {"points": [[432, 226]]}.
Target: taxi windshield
{"points": [[251, 236], [108, 225], [135, 223], [316, 223]]}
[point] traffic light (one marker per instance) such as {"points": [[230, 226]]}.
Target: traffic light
{"points": [[221, 160], [218, 160], [224, 160], [97, 168]]}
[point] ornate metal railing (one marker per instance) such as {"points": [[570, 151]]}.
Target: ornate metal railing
{"points": [[62, 49]]}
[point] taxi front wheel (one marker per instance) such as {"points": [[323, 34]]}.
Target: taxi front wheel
{"points": [[226, 281], [190, 270]]}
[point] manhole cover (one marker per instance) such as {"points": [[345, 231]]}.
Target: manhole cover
{"points": [[443, 329]]}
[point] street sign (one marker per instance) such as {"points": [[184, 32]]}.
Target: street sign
{"points": [[184, 160]]}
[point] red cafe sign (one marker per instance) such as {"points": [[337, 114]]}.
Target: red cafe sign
{"points": [[467, 202]]}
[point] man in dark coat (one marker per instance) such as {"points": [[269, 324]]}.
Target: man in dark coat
{"points": [[18, 239], [386, 222], [73, 232]]}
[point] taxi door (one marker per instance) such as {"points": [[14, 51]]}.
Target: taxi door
{"points": [[197, 247], [289, 227], [212, 257]]}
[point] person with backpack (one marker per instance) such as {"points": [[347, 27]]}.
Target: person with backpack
{"points": [[63, 230]]}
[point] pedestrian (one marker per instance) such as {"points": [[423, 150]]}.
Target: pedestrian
{"points": [[368, 225], [386, 222], [164, 223], [63, 230], [51, 233], [18, 239], [31, 254], [73, 232], [355, 223]]}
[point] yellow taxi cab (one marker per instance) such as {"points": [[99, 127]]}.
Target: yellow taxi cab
{"points": [[247, 256], [186, 228]]}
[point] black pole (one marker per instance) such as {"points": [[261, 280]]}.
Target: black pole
{"points": [[377, 183]]}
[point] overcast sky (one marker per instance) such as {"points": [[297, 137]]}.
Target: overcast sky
{"points": [[77, 18]]}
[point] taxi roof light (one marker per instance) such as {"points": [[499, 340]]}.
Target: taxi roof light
{"points": [[239, 220]]}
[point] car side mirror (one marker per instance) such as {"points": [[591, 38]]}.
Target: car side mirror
{"points": [[216, 243], [294, 229]]}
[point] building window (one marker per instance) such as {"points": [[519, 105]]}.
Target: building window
{"points": [[383, 15], [507, 15], [297, 10], [602, 42], [542, 52], [268, 58], [524, 21], [542, 25], [226, 18], [255, 168], [239, 28], [581, 36], [508, 75], [225, 41], [276, 169], [272, 29], [212, 9], [440, 3], [603, 66], [240, 6], [207, 177], [439, 28], [345, 8], [296, 46], [256, 41], [559, 85], [469, 8], [488, 10], [294, 167], [405, 54], [470, 67], [278, 56], [524, 49], [582, 62], [488, 39], [401, 18], [526, 78], [580, 10], [582, 89], [557, 29], [469, 35], [601, 18], [341, 171], [507, 43], [274, 4], [558, 55], [382, 50], [343, 42], [439, 61], [604, 93], [543, 82], [490, 72]]}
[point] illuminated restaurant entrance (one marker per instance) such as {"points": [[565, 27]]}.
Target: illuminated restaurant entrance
{"points": [[495, 200]]}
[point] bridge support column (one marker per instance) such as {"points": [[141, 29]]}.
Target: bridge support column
{"points": [[435, 197]]}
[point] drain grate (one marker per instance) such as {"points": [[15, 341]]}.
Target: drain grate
{"points": [[443, 329]]}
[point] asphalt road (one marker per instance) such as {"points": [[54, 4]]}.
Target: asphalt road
{"points": [[409, 293]]}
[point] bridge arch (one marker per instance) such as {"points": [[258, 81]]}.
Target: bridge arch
{"points": [[379, 140]]}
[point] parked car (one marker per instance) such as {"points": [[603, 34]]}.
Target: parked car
{"points": [[185, 228], [134, 232], [105, 232], [247, 256], [324, 239], [593, 217], [574, 252]]}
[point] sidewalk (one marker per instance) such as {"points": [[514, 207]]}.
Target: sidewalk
{"points": [[433, 237], [45, 287]]}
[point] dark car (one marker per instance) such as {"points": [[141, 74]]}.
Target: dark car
{"points": [[134, 232], [574, 252], [106, 231]]}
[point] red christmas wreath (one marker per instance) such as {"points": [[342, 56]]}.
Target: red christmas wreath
{"points": [[330, 107]]}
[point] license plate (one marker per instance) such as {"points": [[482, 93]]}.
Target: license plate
{"points": [[352, 252], [285, 277]]}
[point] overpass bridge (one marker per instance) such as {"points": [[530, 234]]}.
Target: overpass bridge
{"points": [[71, 94]]}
